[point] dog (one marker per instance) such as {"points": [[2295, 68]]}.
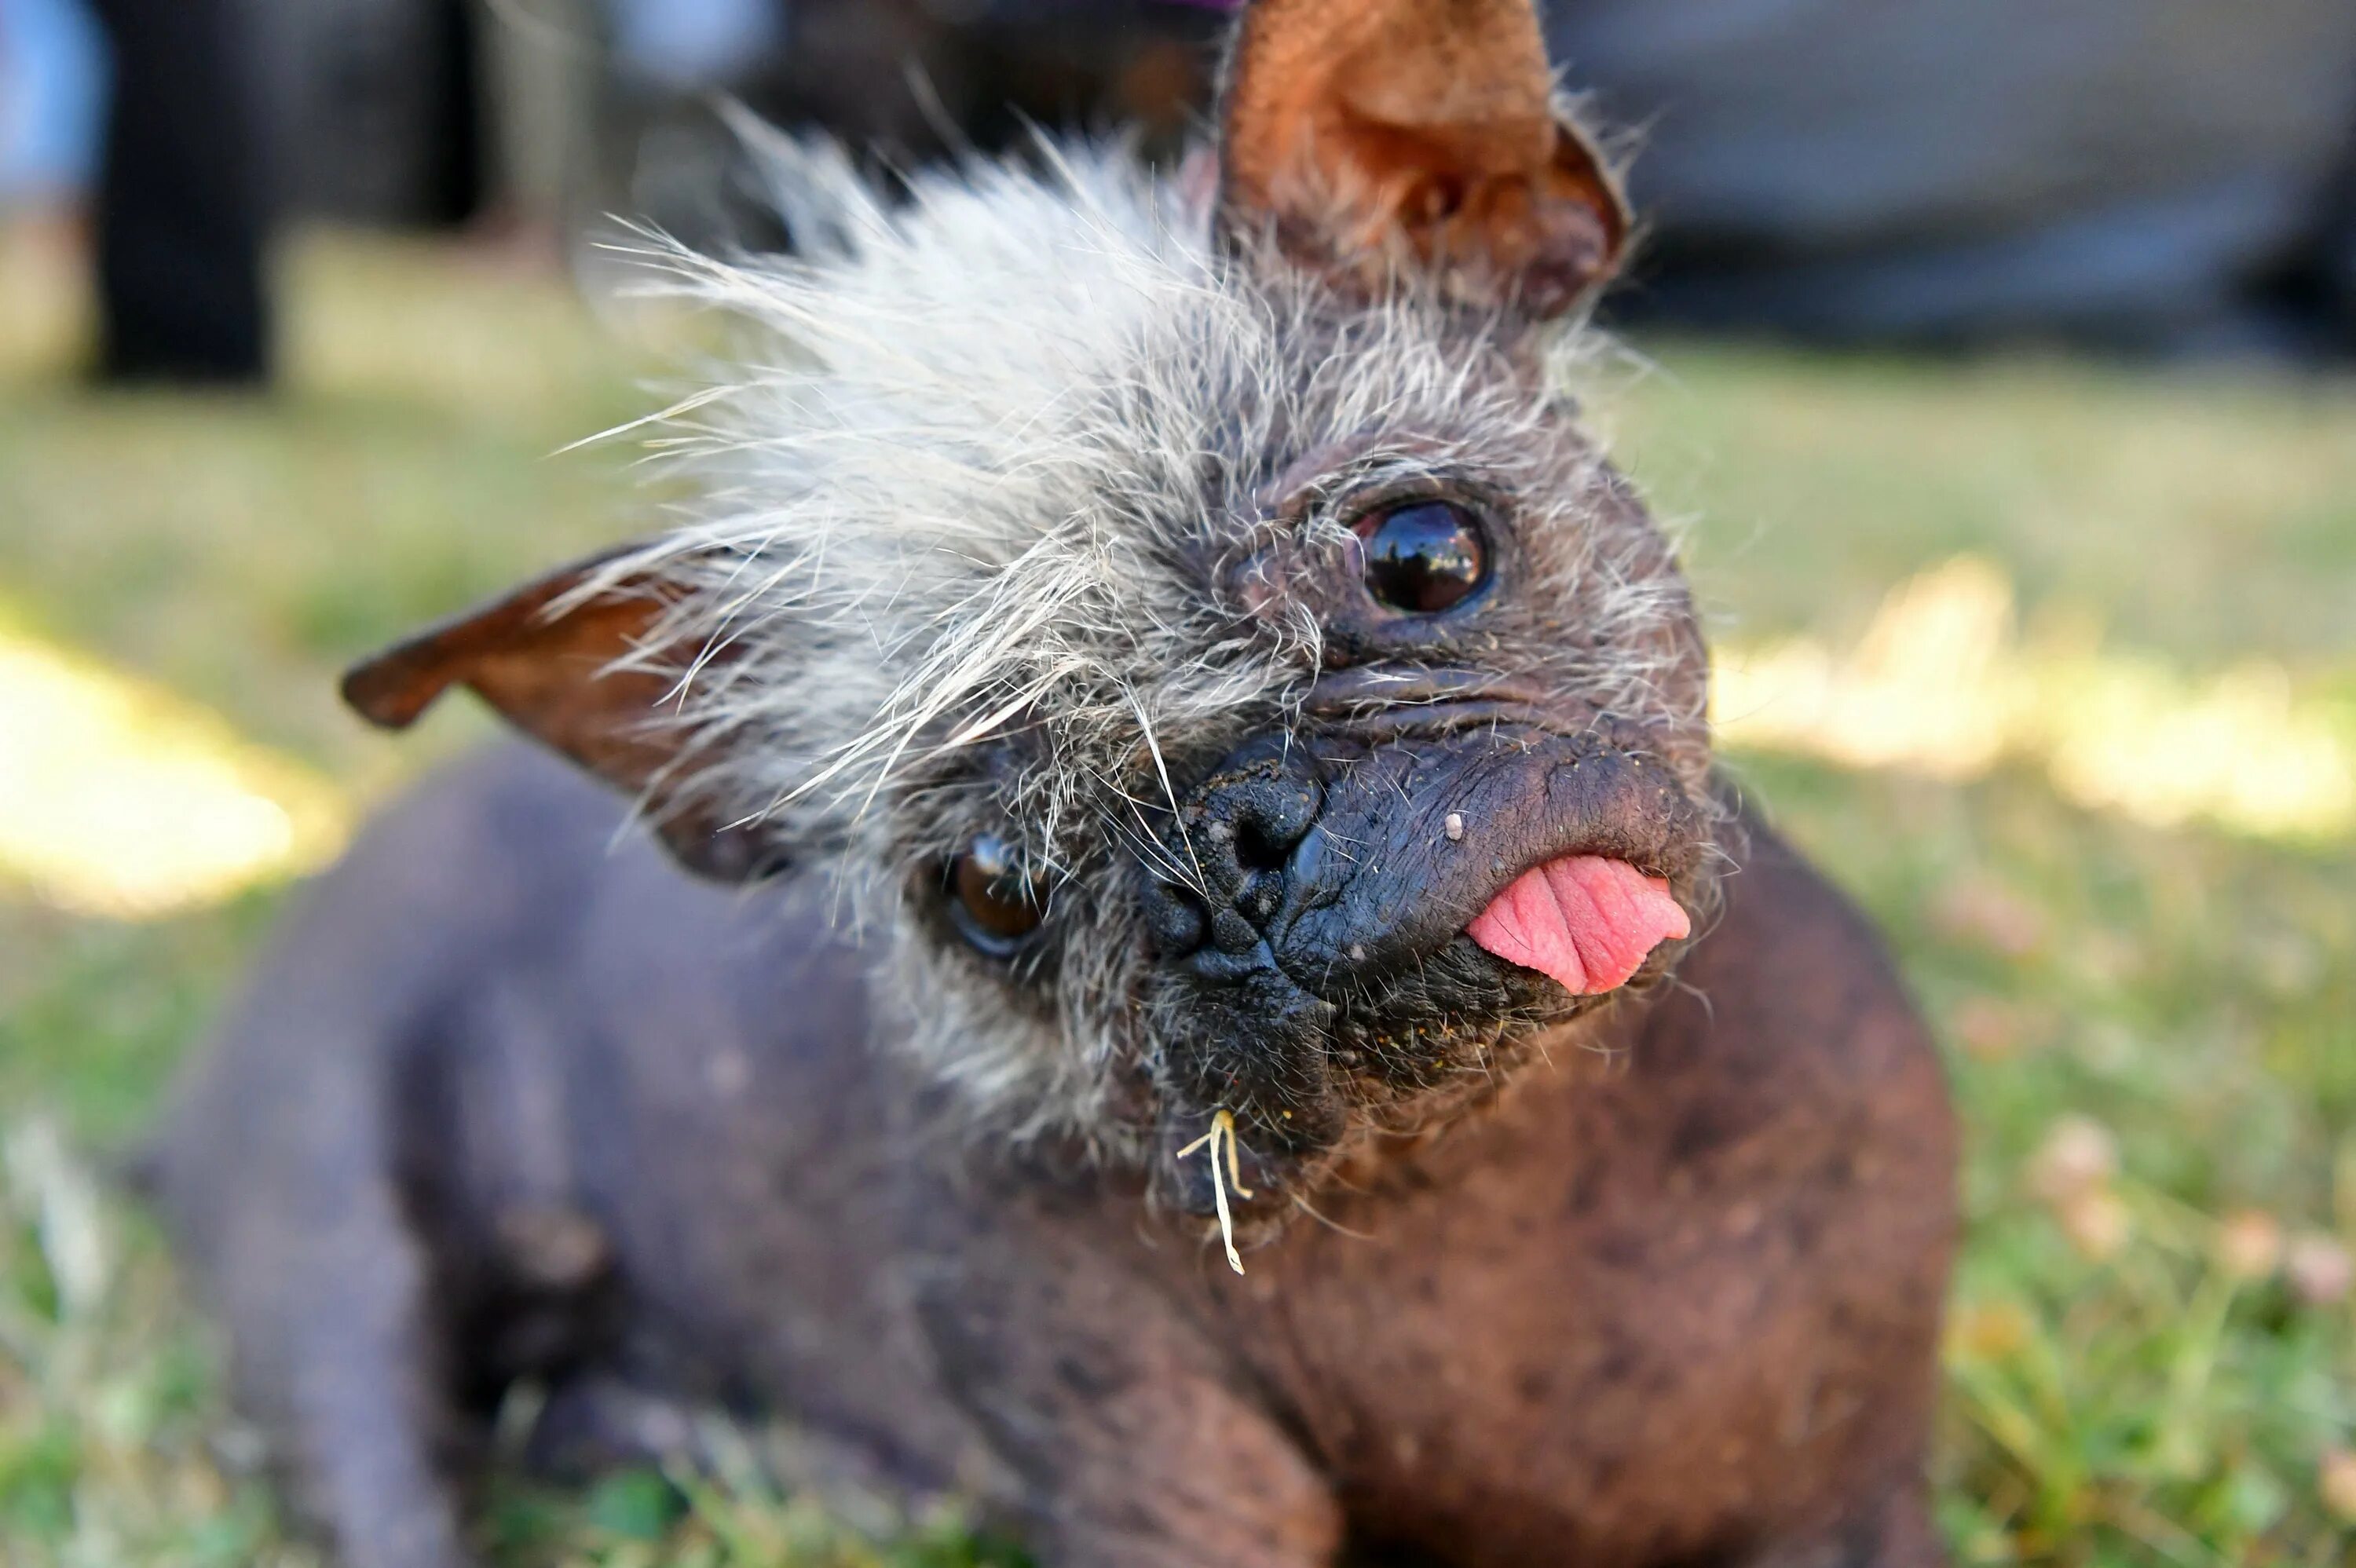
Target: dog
{"points": [[1204, 998]]}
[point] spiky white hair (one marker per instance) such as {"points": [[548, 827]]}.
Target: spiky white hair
{"points": [[972, 479]]}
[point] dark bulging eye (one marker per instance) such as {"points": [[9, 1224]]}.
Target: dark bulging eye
{"points": [[1423, 558], [994, 908]]}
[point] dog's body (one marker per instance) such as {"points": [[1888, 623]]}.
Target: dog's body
{"points": [[1208, 737], [1671, 1304]]}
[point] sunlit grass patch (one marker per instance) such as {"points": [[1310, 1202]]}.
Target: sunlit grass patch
{"points": [[1944, 681], [118, 799]]}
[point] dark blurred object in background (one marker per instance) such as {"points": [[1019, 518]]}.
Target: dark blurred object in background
{"points": [[183, 198], [2154, 175], [912, 81], [554, 114], [436, 113], [901, 72], [2146, 173]]}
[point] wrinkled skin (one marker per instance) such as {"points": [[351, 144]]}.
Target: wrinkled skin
{"points": [[1335, 969], [1635, 1280], [503, 1105]]}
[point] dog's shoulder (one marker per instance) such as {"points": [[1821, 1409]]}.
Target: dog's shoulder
{"points": [[1792, 971]]}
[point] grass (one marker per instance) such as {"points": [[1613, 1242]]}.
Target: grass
{"points": [[2152, 1015]]}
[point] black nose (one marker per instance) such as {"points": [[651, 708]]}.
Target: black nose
{"points": [[1221, 874]]}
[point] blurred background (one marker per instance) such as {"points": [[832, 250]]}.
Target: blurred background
{"points": [[1995, 358]]}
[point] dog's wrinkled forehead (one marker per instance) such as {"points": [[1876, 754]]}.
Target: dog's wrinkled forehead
{"points": [[1025, 455]]}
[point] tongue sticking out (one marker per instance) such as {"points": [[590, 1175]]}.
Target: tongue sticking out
{"points": [[1586, 921]]}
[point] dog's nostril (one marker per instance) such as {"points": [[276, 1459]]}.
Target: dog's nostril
{"points": [[1222, 873], [1271, 817], [1259, 849]]}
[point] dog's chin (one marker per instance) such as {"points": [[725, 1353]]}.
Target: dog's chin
{"points": [[1308, 1083]]}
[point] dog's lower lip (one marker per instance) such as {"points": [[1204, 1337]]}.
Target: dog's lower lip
{"points": [[1587, 921]]}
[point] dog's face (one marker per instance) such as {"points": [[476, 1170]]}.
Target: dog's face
{"points": [[1186, 615]]}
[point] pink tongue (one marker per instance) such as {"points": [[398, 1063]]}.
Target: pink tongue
{"points": [[1586, 921]]}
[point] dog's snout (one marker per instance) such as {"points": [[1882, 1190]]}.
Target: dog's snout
{"points": [[1224, 866]]}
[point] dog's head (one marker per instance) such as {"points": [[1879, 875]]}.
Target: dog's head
{"points": [[1186, 613]]}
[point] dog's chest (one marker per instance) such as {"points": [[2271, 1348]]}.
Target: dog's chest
{"points": [[1570, 1341]]}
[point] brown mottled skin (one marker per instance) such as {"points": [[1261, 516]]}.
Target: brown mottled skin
{"points": [[504, 1104], [1655, 1285]]}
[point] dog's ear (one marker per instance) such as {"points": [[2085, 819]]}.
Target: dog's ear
{"points": [[1373, 137], [582, 672]]}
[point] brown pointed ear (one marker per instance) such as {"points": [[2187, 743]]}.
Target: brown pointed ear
{"points": [[1371, 137], [578, 674]]}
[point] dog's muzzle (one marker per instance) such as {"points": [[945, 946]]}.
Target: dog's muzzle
{"points": [[1337, 862], [1309, 905]]}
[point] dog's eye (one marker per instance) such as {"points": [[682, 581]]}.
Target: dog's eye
{"points": [[1423, 558], [995, 909]]}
